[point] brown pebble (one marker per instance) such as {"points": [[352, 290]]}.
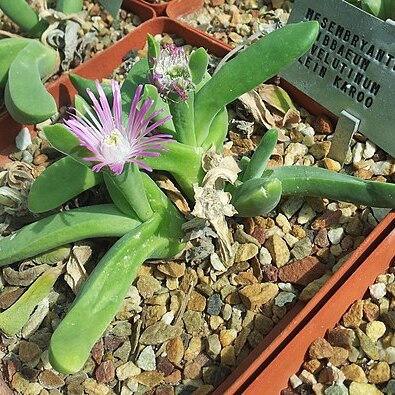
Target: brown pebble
{"points": [[164, 389], [270, 273], [340, 337], [321, 239], [150, 379], [370, 311], [326, 376], [105, 372], [323, 125], [164, 365], [111, 343], [302, 271], [197, 302], [192, 371], [320, 348], [353, 317], [4, 388], [260, 234], [340, 356], [40, 159], [313, 366], [175, 350], [174, 377], [11, 366], [98, 351], [327, 219]]}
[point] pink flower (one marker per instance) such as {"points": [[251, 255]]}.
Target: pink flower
{"points": [[113, 144], [171, 74]]}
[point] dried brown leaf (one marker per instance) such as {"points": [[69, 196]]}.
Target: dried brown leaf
{"points": [[25, 277], [276, 97], [75, 271], [173, 193], [252, 102]]}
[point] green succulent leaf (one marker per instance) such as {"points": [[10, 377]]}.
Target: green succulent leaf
{"points": [[150, 91], [198, 62], [112, 6], [15, 317], [153, 50], [259, 62], [103, 293], [315, 181], [218, 131], [26, 98], [183, 120], [82, 84], [60, 137], [261, 156], [65, 179], [374, 7], [21, 13], [103, 220], [136, 76], [69, 6], [257, 197], [9, 49]]}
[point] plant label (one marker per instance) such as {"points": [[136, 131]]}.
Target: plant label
{"points": [[351, 66]]}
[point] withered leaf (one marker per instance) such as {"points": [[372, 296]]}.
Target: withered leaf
{"points": [[25, 277]]}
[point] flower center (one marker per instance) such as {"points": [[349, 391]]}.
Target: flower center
{"points": [[115, 147], [113, 139]]}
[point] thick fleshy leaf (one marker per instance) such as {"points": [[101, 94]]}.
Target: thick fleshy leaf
{"points": [[315, 181], [103, 293], [257, 197], [69, 6], [66, 142], [261, 156], [32, 63], [150, 91], [9, 49], [136, 76], [21, 13], [103, 220], [153, 50], [256, 64], [82, 84], [112, 6], [198, 62], [15, 317], [59, 183]]}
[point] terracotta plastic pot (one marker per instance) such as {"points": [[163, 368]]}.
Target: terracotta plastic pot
{"points": [[356, 280], [93, 68], [245, 374], [159, 8]]}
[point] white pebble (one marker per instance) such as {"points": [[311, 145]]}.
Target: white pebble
{"points": [[264, 256], [357, 152], [307, 377], [147, 360], [335, 235], [168, 317], [377, 291], [370, 149], [295, 381], [290, 239], [306, 214], [309, 131], [23, 139]]}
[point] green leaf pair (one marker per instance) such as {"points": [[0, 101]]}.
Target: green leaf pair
{"points": [[23, 65]]}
